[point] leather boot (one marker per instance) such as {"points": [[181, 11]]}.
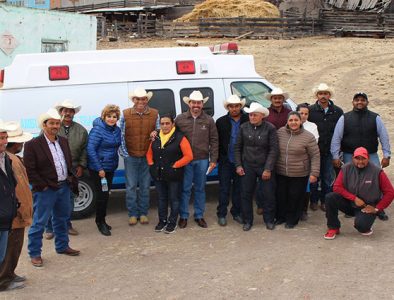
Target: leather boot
{"points": [[103, 228]]}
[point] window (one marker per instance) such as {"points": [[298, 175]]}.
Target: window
{"points": [[252, 91], [206, 92], [53, 46], [164, 101]]}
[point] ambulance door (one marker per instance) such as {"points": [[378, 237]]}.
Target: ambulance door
{"points": [[168, 95]]}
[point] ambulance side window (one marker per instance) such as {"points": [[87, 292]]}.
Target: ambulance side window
{"points": [[164, 101], [206, 92], [253, 91]]}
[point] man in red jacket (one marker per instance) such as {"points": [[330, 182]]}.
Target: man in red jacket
{"points": [[361, 190]]}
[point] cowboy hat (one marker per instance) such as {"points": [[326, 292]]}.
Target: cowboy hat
{"points": [[6, 126], [50, 114], [195, 96], [276, 92], [17, 135], [322, 87], [140, 93], [67, 103], [257, 107], [234, 99]]}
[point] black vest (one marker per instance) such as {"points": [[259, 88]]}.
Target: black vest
{"points": [[364, 183], [164, 158], [8, 201], [360, 131]]}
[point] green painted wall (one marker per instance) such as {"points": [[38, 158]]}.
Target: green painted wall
{"points": [[32, 26]]}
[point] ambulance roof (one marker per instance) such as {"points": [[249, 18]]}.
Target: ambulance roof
{"points": [[106, 66]]}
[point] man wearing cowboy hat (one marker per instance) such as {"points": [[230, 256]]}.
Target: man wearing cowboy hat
{"points": [[49, 168], [77, 137], [228, 128], [325, 114], [200, 130], [361, 128], [8, 182], [278, 112], [256, 152], [8, 279], [137, 123]]}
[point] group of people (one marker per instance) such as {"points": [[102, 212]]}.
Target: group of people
{"points": [[287, 160]]}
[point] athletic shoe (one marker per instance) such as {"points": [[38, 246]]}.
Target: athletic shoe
{"points": [[170, 228], [331, 234], [161, 226], [144, 220], [369, 232]]}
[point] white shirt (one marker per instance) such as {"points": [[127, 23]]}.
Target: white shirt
{"points": [[312, 128], [2, 162], [58, 159]]}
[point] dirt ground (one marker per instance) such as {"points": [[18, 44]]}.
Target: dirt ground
{"points": [[223, 263]]}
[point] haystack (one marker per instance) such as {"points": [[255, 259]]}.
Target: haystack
{"points": [[230, 9]]}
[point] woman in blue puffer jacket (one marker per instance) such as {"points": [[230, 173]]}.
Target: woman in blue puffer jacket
{"points": [[102, 149]]}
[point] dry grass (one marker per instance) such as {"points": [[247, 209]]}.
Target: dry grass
{"points": [[231, 8]]}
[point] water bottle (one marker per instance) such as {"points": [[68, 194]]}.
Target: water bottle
{"points": [[104, 185]]}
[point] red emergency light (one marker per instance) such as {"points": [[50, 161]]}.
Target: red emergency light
{"points": [[59, 73], [185, 67], [225, 48], [1, 76]]}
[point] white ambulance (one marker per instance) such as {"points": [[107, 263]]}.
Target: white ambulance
{"points": [[35, 82]]}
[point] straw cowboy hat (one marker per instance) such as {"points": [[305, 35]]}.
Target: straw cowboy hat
{"points": [[67, 103], [6, 126], [234, 99], [17, 135], [257, 107], [50, 114], [195, 96], [140, 93], [322, 87], [276, 92]]}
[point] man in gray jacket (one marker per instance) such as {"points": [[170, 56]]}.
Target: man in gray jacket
{"points": [[77, 137], [256, 152], [200, 130]]}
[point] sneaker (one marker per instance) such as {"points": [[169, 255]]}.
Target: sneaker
{"points": [[222, 221], [161, 226], [133, 220], [49, 235], [18, 278], [15, 286], [331, 234], [238, 219], [170, 228], [72, 231], [369, 232], [382, 215], [144, 220]]}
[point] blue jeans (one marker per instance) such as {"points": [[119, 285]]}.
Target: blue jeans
{"points": [[45, 203], [3, 244], [169, 193], [373, 157], [137, 174], [228, 179], [195, 173], [49, 227], [327, 176]]}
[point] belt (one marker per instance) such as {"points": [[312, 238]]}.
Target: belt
{"points": [[62, 181]]}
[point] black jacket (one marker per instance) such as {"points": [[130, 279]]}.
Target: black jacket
{"points": [[223, 124], [8, 201], [325, 123], [257, 146]]}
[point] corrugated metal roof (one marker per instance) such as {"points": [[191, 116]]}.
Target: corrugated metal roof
{"points": [[127, 9]]}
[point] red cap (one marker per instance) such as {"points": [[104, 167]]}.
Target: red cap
{"points": [[361, 151]]}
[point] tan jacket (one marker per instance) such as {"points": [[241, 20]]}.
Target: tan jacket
{"points": [[299, 154], [23, 194]]}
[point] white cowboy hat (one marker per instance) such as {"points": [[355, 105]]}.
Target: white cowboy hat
{"points": [[50, 114], [257, 107], [322, 87], [6, 126], [17, 135], [234, 99], [67, 103], [140, 92], [276, 92], [195, 96]]}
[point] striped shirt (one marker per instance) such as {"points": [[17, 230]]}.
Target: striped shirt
{"points": [[58, 159]]}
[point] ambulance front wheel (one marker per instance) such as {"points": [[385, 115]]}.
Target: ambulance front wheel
{"points": [[84, 203]]}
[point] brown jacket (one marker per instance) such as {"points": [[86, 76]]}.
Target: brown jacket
{"points": [[23, 194], [202, 135], [299, 154], [40, 166], [137, 130]]}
